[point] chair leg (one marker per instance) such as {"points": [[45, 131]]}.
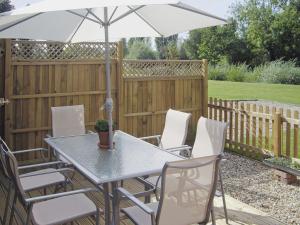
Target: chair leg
{"points": [[223, 197], [13, 208], [148, 197], [97, 217], [7, 203], [212, 213], [28, 214]]}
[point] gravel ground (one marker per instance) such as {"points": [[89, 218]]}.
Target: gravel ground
{"points": [[251, 182]]}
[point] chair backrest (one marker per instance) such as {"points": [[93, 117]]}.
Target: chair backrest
{"points": [[187, 191], [3, 150], [68, 120], [210, 138], [175, 130], [12, 166]]}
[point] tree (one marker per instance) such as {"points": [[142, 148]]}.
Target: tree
{"points": [[191, 44], [140, 49], [165, 44], [5, 5], [286, 33], [271, 28]]}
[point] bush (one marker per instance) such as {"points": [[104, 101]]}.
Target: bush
{"points": [[140, 50], [278, 71], [217, 72], [225, 71]]}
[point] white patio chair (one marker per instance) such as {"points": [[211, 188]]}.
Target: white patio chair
{"points": [[51, 209], [175, 130], [38, 179], [186, 194], [67, 121], [209, 141], [173, 136]]}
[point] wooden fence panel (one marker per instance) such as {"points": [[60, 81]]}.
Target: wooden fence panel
{"points": [[37, 78], [147, 95], [256, 129], [36, 82], [39, 87]]}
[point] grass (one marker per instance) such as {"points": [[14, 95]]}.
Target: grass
{"points": [[241, 90]]}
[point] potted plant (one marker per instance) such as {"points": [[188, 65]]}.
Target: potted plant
{"points": [[101, 127]]}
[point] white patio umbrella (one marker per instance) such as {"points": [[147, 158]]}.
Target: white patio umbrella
{"points": [[95, 20]]}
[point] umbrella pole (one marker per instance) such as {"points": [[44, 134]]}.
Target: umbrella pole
{"points": [[109, 101]]}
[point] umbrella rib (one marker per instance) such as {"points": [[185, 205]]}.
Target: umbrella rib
{"points": [[198, 12], [94, 15], [21, 21], [148, 23], [126, 14], [81, 22], [113, 13], [78, 14]]}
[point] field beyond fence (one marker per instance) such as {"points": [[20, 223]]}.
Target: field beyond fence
{"points": [[256, 129]]}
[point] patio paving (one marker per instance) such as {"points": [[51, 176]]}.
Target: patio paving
{"points": [[239, 213]]}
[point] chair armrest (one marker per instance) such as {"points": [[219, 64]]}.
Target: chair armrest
{"points": [[58, 195], [135, 200], [223, 157], [90, 132], [150, 137], [181, 148], [157, 137], [47, 172], [40, 165], [30, 150]]}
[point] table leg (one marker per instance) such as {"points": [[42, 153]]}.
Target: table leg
{"points": [[107, 204], [115, 204]]}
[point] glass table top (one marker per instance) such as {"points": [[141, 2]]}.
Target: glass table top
{"points": [[130, 158]]}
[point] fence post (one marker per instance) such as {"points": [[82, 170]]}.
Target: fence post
{"points": [[8, 92], [2, 79], [204, 88], [277, 134]]}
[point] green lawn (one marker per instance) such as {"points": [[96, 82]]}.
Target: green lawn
{"points": [[238, 90]]}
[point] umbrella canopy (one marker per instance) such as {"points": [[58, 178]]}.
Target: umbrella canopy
{"points": [[95, 20], [78, 21]]}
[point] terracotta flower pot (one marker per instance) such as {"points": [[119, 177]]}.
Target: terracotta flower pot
{"points": [[103, 140]]}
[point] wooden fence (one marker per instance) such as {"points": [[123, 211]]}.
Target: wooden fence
{"points": [[258, 129], [39, 75]]}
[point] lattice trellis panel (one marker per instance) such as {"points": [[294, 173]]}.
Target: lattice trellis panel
{"points": [[161, 69], [42, 50]]}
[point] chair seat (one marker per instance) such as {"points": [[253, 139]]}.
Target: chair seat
{"points": [[62, 210], [138, 216], [43, 180]]}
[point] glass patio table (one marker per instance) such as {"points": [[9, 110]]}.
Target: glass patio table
{"points": [[131, 157]]}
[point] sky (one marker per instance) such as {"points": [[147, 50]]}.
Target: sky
{"points": [[216, 7]]}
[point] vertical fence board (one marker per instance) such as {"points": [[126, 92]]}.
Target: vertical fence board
{"points": [[296, 135], [267, 129], [242, 122]]}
